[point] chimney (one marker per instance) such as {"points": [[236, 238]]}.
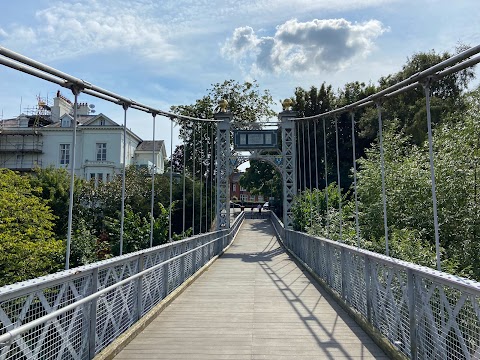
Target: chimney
{"points": [[61, 106], [83, 109]]}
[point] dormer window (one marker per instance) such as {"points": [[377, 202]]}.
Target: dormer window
{"points": [[66, 122]]}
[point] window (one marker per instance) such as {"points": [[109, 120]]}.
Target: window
{"points": [[64, 154], [108, 177], [243, 197], [100, 177], [66, 122], [92, 176], [242, 189], [260, 198], [252, 197], [234, 187], [101, 151], [102, 121]]}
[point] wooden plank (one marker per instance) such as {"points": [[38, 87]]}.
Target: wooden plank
{"points": [[253, 303]]}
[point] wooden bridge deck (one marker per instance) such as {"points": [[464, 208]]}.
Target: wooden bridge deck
{"points": [[253, 303]]}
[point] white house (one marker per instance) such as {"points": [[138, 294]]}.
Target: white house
{"points": [[45, 138]]}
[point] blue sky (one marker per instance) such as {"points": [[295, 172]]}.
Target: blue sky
{"points": [[168, 52]]}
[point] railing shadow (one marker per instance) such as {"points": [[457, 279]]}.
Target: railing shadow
{"points": [[275, 262]]}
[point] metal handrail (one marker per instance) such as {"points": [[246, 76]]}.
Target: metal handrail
{"points": [[46, 284], [414, 307]]}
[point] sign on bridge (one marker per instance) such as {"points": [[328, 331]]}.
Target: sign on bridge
{"points": [[255, 139]]}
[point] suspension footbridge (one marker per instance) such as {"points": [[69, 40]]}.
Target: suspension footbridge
{"points": [[253, 288]]}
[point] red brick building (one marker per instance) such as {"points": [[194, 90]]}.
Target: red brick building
{"points": [[240, 195]]}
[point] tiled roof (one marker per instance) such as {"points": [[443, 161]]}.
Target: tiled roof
{"points": [[148, 145], [81, 119]]}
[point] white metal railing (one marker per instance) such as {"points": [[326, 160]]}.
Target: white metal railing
{"points": [[424, 313], [76, 313]]}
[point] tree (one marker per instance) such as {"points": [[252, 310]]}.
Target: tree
{"points": [[310, 135], [261, 178], [408, 191], [249, 106], [408, 108], [28, 247], [55, 188]]}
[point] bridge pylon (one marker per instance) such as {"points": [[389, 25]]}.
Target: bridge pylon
{"points": [[223, 169], [289, 164]]}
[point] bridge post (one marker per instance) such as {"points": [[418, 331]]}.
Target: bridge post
{"points": [[93, 316], [289, 172], [223, 156]]}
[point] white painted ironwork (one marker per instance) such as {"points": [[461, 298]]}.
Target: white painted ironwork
{"points": [[76, 313], [289, 165], [125, 106], [75, 92], [382, 167], [223, 170], [424, 313]]}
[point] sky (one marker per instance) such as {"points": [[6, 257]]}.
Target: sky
{"points": [[170, 52]]}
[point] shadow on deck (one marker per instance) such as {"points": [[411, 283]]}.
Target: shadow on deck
{"points": [[254, 302]]}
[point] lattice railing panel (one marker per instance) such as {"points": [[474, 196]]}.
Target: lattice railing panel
{"points": [[390, 313], [335, 261], [174, 271], [115, 313], [424, 313], [355, 284], [40, 341], [153, 283], [96, 315], [448, 321]]}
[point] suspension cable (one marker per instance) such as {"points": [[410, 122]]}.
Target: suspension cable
{"points": [[201, 179], [426, 87], [382, 168], [310, 174], [122, 213], [154, 170], [338, 177], [75, 92], [357, 227], [184, 177], [193, 178], [316, 163], [48, 73], [327, 223], [171, 183], [303, 159]]}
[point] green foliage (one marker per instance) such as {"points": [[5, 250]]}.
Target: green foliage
{"points": [[408, 108], [55, 188], [136, 232], [455, 119], [310, 136], [160, 227], [310, 209], [86, 247], [408, 192], [27, 245], [261, 178]]}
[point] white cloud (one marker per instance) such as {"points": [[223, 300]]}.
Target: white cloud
{"points": [[328, 44], [72, 29]]}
